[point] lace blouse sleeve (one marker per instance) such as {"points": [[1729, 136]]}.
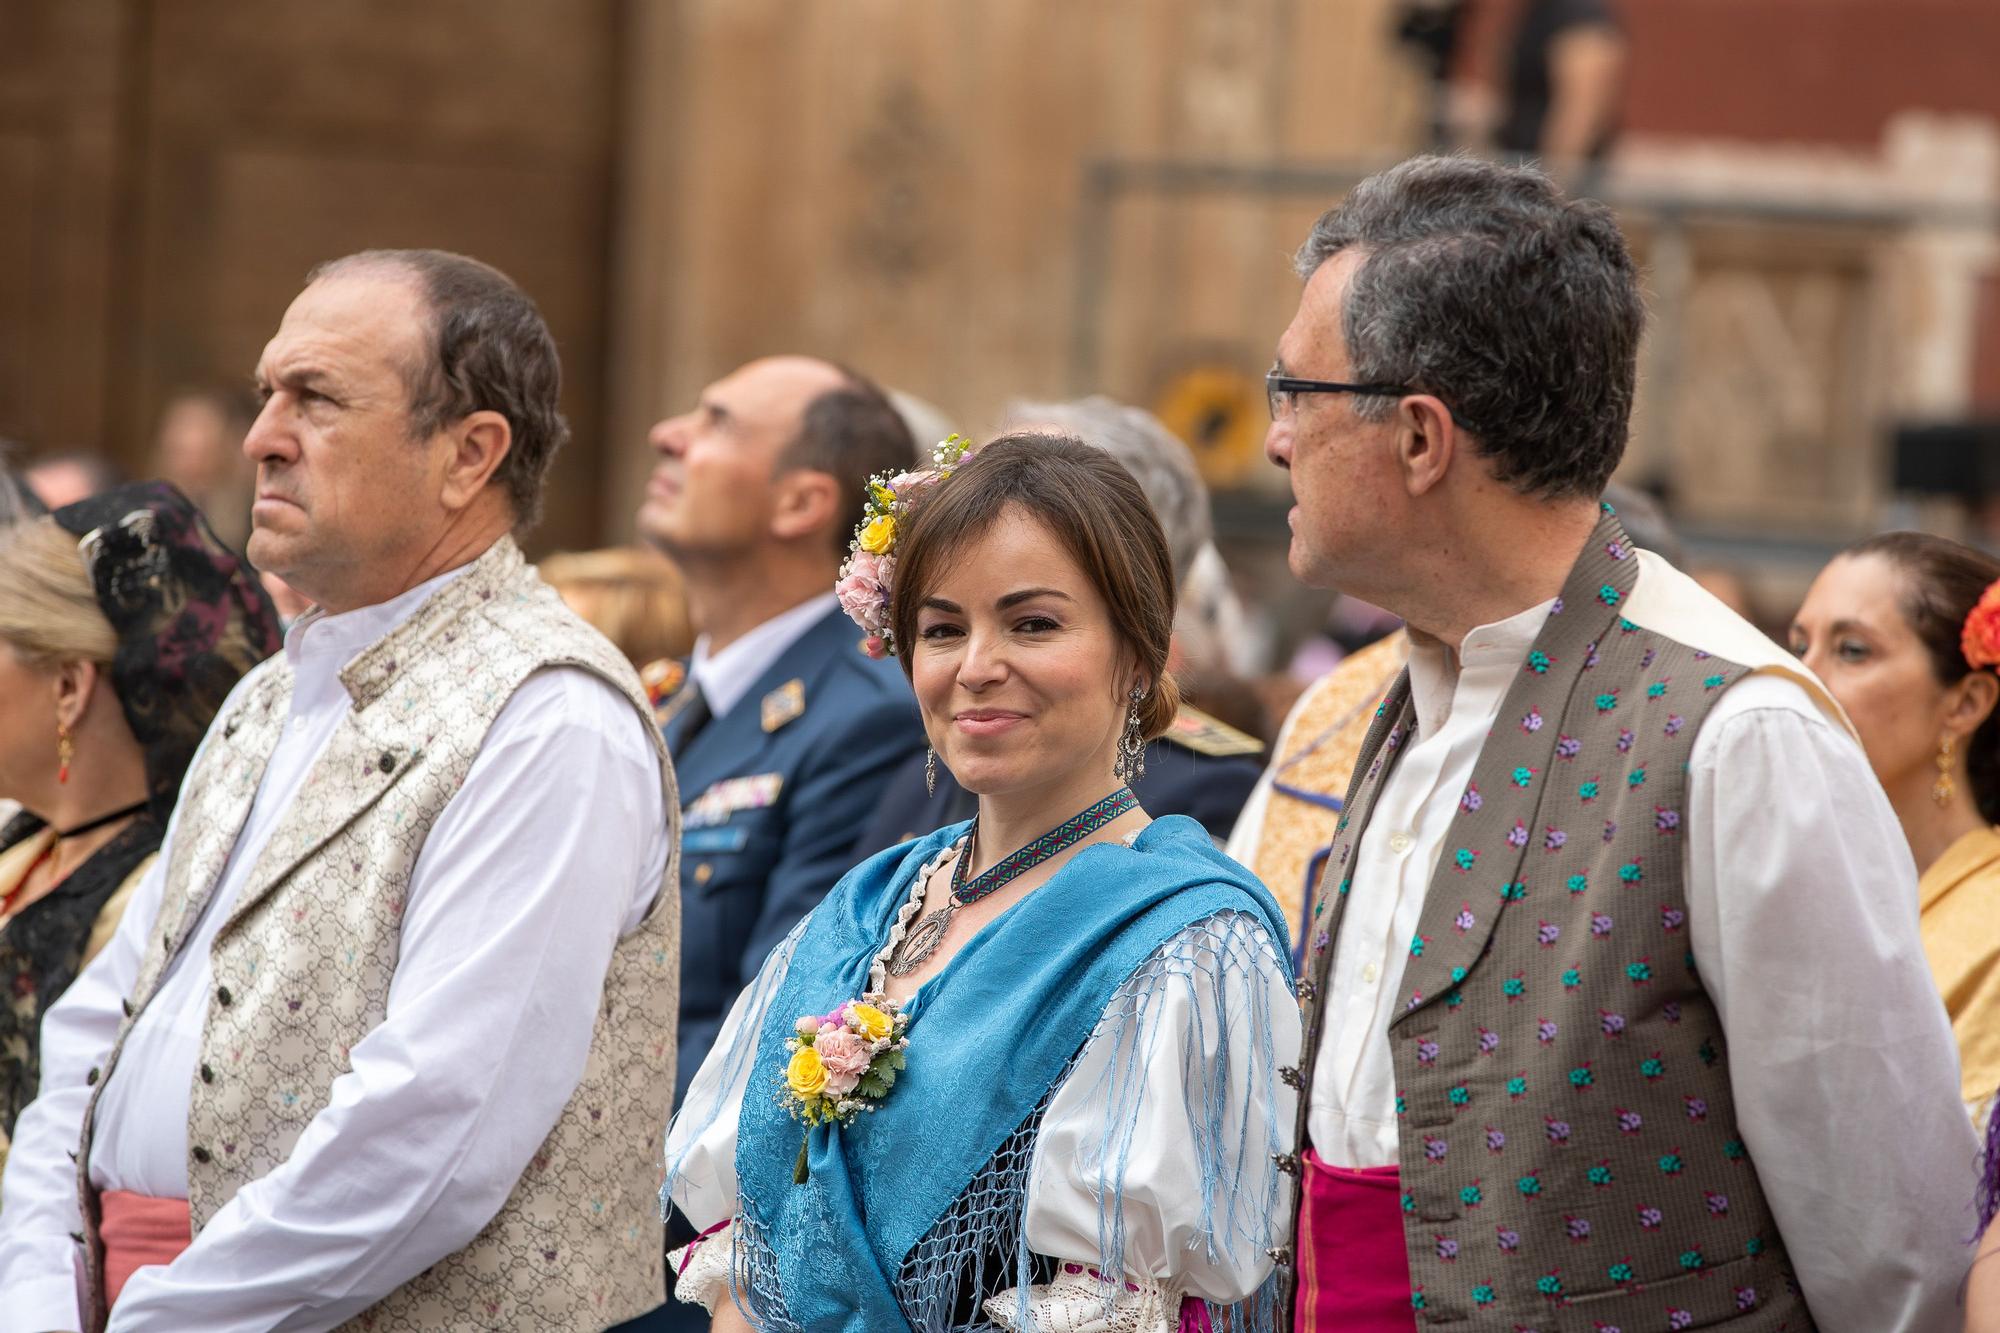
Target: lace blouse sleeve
{"points": [[1155, 1174], [701, 1137]]}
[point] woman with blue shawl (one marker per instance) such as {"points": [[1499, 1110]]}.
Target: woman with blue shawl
{"points": [[1028, 1072]]}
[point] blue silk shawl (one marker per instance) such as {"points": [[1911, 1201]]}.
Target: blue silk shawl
{"points": [[989, 1036]]}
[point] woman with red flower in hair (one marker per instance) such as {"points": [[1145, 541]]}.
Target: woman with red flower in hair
{"points": [[1904, 629]]}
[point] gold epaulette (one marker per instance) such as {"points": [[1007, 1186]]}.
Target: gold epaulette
{"points": [[1213, 737]]}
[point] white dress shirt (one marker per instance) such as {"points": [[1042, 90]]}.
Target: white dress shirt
{"points": [[1802, 914], [489, 1022], [725, 677]]}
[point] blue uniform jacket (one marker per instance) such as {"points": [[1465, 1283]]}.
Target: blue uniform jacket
{"points": [[774, 793]]}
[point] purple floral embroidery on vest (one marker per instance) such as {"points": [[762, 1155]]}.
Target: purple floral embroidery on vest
{"points": [[1678, 1319], [1508, 1239], [1545, 1031], [1435, 1148], [1610, 829], [1600, 925], [1671, 1011], [1671, 918], [1465, 920], [1576, 1228], [1568, 747], [1651, 1218], [1625, 739], [1557, 1130], [1546, 934], [1612, 1025], [1665, 820], [1427, 1050], [1553, 839], [1518, 836], [1617, 550], [1531, 722], [1718, 1204], [1590, 656], [1489, 1041], [1496, 1141], [1674, 724], [1629, 1122], [1697, 1107], [1472, 800], [1447, 1248], [1746, 1298]]}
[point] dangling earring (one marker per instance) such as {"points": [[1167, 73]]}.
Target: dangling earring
{"points": [[1943, 790], [65, 751], [930, 771], [1130, 765]]}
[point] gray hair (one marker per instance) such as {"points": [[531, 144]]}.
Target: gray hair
{"points": [[489, 351], [1481, 284], [1158, 460]]}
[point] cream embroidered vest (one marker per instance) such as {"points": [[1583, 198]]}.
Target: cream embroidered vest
{"points": [[303, 963]]}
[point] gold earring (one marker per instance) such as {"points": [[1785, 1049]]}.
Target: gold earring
{"points": [[1943, 789], [65, 751]]}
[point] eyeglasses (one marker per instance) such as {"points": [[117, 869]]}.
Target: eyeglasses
{"points": [[1281, 392]]}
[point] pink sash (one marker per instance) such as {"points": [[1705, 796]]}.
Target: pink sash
{"points": [[139, 1230], [1354, 1274]]}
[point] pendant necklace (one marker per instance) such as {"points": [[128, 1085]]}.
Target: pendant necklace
{"points": [[923, 941]]}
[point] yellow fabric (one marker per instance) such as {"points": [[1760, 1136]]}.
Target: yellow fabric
{"points": [[18, 860], [1959, 905], [113, 911], [1317, 753]]}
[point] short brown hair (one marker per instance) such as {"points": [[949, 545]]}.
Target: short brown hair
{"points": [[850, 434], [489, 350], [1090, 505]]}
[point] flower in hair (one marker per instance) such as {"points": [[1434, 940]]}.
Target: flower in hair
{"points": [[1980, 639], [868, 576]]}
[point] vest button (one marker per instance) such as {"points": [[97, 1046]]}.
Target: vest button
{"points": [[1291, 1076], [207, 1074], [201, 1154], [387, 763], [1304, 989], [1281, 1255], [222, 996], [90, 1079], [1286, 1162]]}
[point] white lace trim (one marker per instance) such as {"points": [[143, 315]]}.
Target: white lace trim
{"points": [[878, 975], [705, 1279], [1075, 1303]]}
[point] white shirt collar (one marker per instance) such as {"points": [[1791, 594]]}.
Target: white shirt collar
{"points": [[1496, 649], [725, 677], [318, 646]]}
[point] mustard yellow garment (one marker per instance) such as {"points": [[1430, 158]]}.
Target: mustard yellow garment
{"points": [[1959, 906]]}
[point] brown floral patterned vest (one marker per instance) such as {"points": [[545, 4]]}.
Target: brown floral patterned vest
{"points": [[303, 962], [1568, 1144]]}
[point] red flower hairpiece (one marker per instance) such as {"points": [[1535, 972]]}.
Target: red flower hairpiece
{"points": [[1980, 639]]}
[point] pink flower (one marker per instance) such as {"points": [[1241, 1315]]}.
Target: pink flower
{"points": [[865, 600], [846, 1058], [902, 482]]}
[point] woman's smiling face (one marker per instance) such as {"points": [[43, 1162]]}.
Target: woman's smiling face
{"points": [[1020, 674]]}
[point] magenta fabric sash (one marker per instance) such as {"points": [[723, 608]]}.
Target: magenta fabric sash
{"points": [[139, 1231], [1354, 1274]]}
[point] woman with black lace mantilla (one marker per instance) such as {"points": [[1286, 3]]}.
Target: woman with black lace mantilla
{"points": [[1026, 1071], [123, 624]]}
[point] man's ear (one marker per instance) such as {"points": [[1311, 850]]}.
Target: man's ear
{"points": [[479, 443], [804, 502], [1426, 442]]}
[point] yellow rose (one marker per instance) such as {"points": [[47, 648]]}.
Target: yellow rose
{"points": [[879, 535], [807, 1072], [874, 1024]]}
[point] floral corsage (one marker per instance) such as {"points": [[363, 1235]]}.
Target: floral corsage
{"points": [[842, 1064], [869, 573]]}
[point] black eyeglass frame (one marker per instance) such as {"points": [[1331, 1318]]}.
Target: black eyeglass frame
{"points": [[1275, 384]]}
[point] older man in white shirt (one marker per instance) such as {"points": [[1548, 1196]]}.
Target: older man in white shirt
{"points": [[1616, 1014], [389, 1028]]}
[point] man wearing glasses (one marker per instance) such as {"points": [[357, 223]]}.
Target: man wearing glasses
{"points": [[1614, 954]]}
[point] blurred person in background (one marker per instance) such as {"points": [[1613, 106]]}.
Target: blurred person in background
{"points": [[198, 447], [1565, 77], [1904, 629], [784, 733], [1200, 766], [1286, 830], [124, 623], [632, 596], [76, 474], [389, 1013], [1615, 878]]}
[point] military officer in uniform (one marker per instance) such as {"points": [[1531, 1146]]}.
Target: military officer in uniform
{"points": [[783, 733]]}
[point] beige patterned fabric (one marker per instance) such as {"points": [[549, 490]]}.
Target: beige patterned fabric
{"points": [[304, 961], [1280, 832]]}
